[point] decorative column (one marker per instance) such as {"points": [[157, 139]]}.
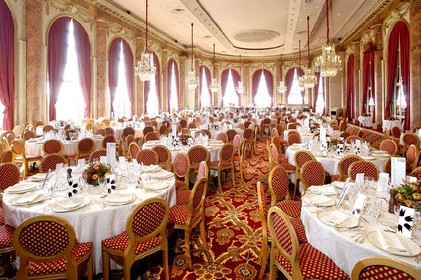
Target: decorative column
{"points": [[164, 89], [182, 81], [378, 73], [140, 45], [102, 65], [357, 76], [415, 58]]}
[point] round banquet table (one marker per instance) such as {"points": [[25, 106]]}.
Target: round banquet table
{"points": [[390, 124], [34, 147], [94, 222], [340, 245]]}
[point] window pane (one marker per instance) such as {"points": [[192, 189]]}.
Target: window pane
{"points": [[122, 105], [152, 103], [230, 95], [173, 89], [204, 93], [294, 96], [262, 98], [320, 104]]}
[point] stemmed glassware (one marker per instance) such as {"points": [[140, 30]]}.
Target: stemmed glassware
{"points": [[103, 185]]}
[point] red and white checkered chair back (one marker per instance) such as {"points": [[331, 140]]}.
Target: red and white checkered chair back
{"points": [[181, 164], [197, 154], [293, 138], [222, 136], [203, 171], [410, 139], [86, 145], [263, 204], [231, 134], [49, 162], [248, 134], [9, 175], [278, 184], [95, 155], [302, 157], [100, 131], [416, 173], [17, 147], [183, 123], [352, 139], [383, 268], [345, 163], [227, 152], [164, 155], [282, 233], [275, 132], [108, 138], [147, 157], [134, 149], [390, 146], [312, 173], [274, 154], [412, 157], [6, 157], [275, 141], [128, 130], [197, 198], [151, 136], [368, 168], [109, 131], [52, 146], [147, 220], [236, 142], [147, 129]]}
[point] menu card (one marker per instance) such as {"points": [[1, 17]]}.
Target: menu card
{"points": [[359, 204], [405, 221], [359, 179], [398, 170], [111, 156], [111, 183]]}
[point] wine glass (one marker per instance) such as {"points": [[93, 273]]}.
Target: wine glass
{"points": [[102, 184]]}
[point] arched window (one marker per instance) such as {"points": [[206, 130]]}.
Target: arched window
{"points": [[398, 78], [173, 82], [368, 82], [294, 95], [350, 87], [69, 70], [120, 76], [320, 103], [205, 95], [262, 88], [7, 82], [229, 79], [151, 91]]}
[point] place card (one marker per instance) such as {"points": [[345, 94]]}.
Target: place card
{"points": [[383, 182], [359, 179], [111, 155], [111, 183], [343, 193], [359, 204], [411, 179], [398, 170], [103, 160], [405, 221]]}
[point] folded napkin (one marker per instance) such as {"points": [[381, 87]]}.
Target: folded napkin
{"points": [[68, 203], [317, 199], [155, 185], [326, 190], [390, 242], [27, 198], [22, 186], [151, 168], [334, 218], [119, 198]]}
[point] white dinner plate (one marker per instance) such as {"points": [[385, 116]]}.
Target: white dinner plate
{"points": [[325, 190], [318, 200], [119, 199], [151, 168], [15, 200], [367, 157], [21, 187], [412, 248], [68, 204], [39, 177], [155, 185], [162, 174], [351, 222]]}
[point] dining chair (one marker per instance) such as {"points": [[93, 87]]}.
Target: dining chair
{"points": [[9, 175], [208, 133], [19, 155], [84, 148], [382, 268], [48, 249], [133, 149], [225, 163], [293, 137], [183, 195], [125, 143], [6, 156], [96, 155], [278, 183], [352, 139], [181, 168], [147, 157], [408, 139], [47, 128], [416, 173], [265, 128], [145, 235], [127, 131], [231, 134], [343, 166], [300, 157], [99, 131], [351, 130], [196, 154], [312, 174], [109, 131], [150, 136], [412, 157], [18, 131], [236, 143], [249, 141], [52, 146], [183, 123], [28, 135], [222, 136], [109, 138], [367, 167], [389, 146], [294, 259], [188, 216], [50, 161], [263, 211], [164, 156]]}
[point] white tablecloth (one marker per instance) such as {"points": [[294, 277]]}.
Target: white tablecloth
{"points": [[365, 121], [93, 223], [305, 137], [69, 147], [330, 163], [389, 124], [340, 246]]}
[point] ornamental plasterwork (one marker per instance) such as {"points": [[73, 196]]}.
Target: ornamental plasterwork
{"points": [[115, 30], [67, 7], [269, 67], [401, 14], [368, 36]]}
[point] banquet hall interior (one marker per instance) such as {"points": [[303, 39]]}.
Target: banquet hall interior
{"points": [[194, 139]]}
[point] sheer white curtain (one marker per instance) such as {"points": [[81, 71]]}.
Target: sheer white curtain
{"points": [[230, 95], [173, 90], [262, 98], [295, 96], [152, 103], [320, 104], [204, 92], [70, 103], [122, 105]]}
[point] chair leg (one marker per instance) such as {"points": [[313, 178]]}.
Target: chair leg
{"points": [[233, 176], [203, 233], [91, 267], [263, 256], [188, 253], [219, 181], [165, 263], [105, 265]]}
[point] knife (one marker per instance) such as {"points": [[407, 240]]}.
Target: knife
{"points": [[45, 179]]}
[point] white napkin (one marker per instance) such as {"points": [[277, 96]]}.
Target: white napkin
{"points": [[22, 186], [68, 203], [155, 185], [390, 243], [338, 184], [115, 198], [27, 198], [151, 168], [317, 199], [335, 218], [326, 190]]}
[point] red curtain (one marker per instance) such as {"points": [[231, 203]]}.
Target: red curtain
{"points": [[57, 59], [84, 63], [366, 73], [129, 66], [172, 62], [7, 79], [113, 62], [316, 91], [399, 39], [269, 83], [350, 87], [203, 70]]}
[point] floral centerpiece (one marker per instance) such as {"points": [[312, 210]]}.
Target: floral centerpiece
{"points": [[93, 172], [71, 134], [408, 194]]}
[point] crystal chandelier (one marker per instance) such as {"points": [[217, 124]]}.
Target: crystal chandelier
{"points": [[240, 87], [282, 88], [328, 62], [300, 80], [145, 68], [191, 78], [309, 79], [214, 83]]}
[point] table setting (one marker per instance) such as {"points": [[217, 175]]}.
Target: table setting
{"points": [[358, 223]]}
